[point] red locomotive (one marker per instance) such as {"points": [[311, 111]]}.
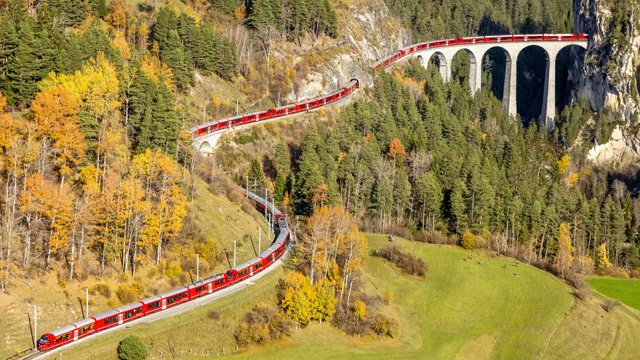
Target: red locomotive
{"points": [[161, 302]]}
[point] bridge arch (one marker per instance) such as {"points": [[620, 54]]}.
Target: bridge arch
{"points": [[205, 147], [569, 61], [534, 85], [473, 74]]}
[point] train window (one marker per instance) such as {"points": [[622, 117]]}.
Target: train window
{"points": [[201, 288], [270, 258], [220, 282], [257, 265]]}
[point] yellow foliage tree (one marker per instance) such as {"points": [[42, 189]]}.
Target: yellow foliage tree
{"points": [[564, 257], [56, 117], [468, 240], [360, 309], [602, 262]]}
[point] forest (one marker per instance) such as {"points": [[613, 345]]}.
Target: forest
{"points": [[95, 103], [426, 160]]}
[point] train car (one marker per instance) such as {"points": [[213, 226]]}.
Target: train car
{"points": [[268, 256], [174, 297], [256, 265], [199, 288], [238, 273], [119, 316], [151, 305], [66, 334]]}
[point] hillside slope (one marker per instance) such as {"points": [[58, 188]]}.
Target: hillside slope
{"points": [[462, 310]]}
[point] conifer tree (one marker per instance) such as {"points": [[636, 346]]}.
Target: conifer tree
{"points": [[260, 14], [256, 175]]}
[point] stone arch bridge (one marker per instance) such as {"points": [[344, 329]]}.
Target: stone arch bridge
{"points": [[512, 46]]}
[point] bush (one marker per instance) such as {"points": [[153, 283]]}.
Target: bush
{"points": [[263, 323], [132, 348], [102, 289], [583, 290], [385, 326], [214, 315], [467, 241], [386, 297], [408, 263], [611, 304], [173, 271], [128, 294]]}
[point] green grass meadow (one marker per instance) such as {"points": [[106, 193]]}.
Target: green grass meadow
{"points": [[626, 290], [462, 310]]}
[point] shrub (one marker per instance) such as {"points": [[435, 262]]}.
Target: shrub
{"points": [[385, 326], [214, 315], [611, 304], [102, 289], [467, 240], [127, 294], [583, 291], [263, 323], [408, 263], [132, 348], [173, 271], [386, 297], [616, 272]]}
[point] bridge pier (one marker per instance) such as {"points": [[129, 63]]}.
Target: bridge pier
{"points": [[475, 71], [509, 92], [547, 116]]}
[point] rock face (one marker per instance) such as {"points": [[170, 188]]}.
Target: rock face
{"points": [[368, 32], [621, 151], [610, 73], [608, 76]]}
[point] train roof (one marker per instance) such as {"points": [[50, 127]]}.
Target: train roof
{"points": [[204, 282], [173, 292], [283, 235], [268, 252], [242, 266], [62, 330], [83, 322], [150, 300], [106, 314]]}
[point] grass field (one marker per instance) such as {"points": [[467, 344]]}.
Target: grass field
{"points": [[462, 310], [628, 291]]}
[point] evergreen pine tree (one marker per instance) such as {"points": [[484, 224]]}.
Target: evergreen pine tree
{"points": [[260, 14], [256, 175], [172, 53]]}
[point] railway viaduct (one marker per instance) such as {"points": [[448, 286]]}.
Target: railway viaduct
{"points": [[476, 48], [477, 51]]}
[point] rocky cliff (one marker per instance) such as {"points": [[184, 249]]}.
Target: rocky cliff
{"points": [[608, 76], [368, 32]]}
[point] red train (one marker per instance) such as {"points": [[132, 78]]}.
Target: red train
{"points": [[274, 113], [474, 40], [126, 313]]}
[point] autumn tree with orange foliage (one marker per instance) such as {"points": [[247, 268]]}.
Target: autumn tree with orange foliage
{"points": [[56, 117]]}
